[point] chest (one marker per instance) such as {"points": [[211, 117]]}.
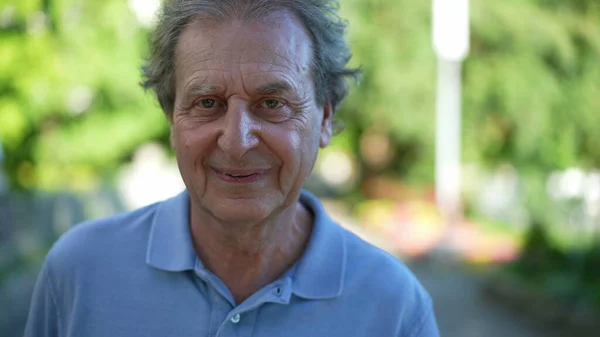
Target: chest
{"points": [[193, 321], [194, 308]]}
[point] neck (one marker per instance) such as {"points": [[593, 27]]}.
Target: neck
{"points": [[246, 257]]}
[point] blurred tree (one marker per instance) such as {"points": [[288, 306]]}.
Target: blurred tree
{"points": [[530, 92], [391, 39], [70, 107], [531, 84]]}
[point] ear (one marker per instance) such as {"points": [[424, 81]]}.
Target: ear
{"points": [[326, 125]]}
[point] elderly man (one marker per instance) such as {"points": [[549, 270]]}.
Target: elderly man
{"points": [[250, 88]]}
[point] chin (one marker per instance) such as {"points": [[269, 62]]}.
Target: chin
{"points": [[241, 210]]}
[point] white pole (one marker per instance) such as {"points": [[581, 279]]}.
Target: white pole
{"points": [[448, 139], [451, 44]]}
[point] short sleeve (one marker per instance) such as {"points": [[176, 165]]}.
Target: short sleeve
{"points": [[427, 326], [43, 319]]}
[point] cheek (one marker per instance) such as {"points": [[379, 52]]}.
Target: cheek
{"points": [[283, 141], [293, 147], [191, 145], [303, 135]]}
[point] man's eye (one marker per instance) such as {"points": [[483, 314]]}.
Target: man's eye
{"points": [[208, 103], [271, 104]]}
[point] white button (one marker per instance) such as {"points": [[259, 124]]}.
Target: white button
{"points": [[235, 319]]}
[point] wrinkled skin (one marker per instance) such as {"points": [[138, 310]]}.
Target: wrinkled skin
{"points": [[220, 65]]}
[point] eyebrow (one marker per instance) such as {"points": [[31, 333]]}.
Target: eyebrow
{"points": [[278, 87], [273, 88], [203, 89]]}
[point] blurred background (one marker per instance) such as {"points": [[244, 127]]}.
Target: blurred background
{"points": [[79, 139]]}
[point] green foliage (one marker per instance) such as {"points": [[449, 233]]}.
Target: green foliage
{"points": [[71, 109], [570, 276], [590, 270], [70, 106], [391, 40], [531, 85], [540, 256]]}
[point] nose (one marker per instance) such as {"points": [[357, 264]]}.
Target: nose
{"points": [[239, 134]]}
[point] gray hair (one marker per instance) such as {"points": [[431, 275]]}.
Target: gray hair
{"points": [[319, 17]]}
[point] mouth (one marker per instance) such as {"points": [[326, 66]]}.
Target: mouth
{"points": [[240, 175], [237, 175]]}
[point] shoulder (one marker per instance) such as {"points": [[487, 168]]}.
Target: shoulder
{"points": [[101, 239], [376, 265], [382, 278]]}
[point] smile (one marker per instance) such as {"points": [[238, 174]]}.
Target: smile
{"points": [[238, 175]]}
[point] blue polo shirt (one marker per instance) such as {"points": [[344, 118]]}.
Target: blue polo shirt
{"points": [[137, 274]]}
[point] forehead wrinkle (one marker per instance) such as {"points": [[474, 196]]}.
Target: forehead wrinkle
{"points": [[277, 59], [290, 63], [277, 64], [199, 77], [195, 78], [291, 47], [188, 52], [199, 85]]}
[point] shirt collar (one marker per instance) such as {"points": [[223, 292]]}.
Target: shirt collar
{"points": [[318, 274], [320, 270], [170, 245]]}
